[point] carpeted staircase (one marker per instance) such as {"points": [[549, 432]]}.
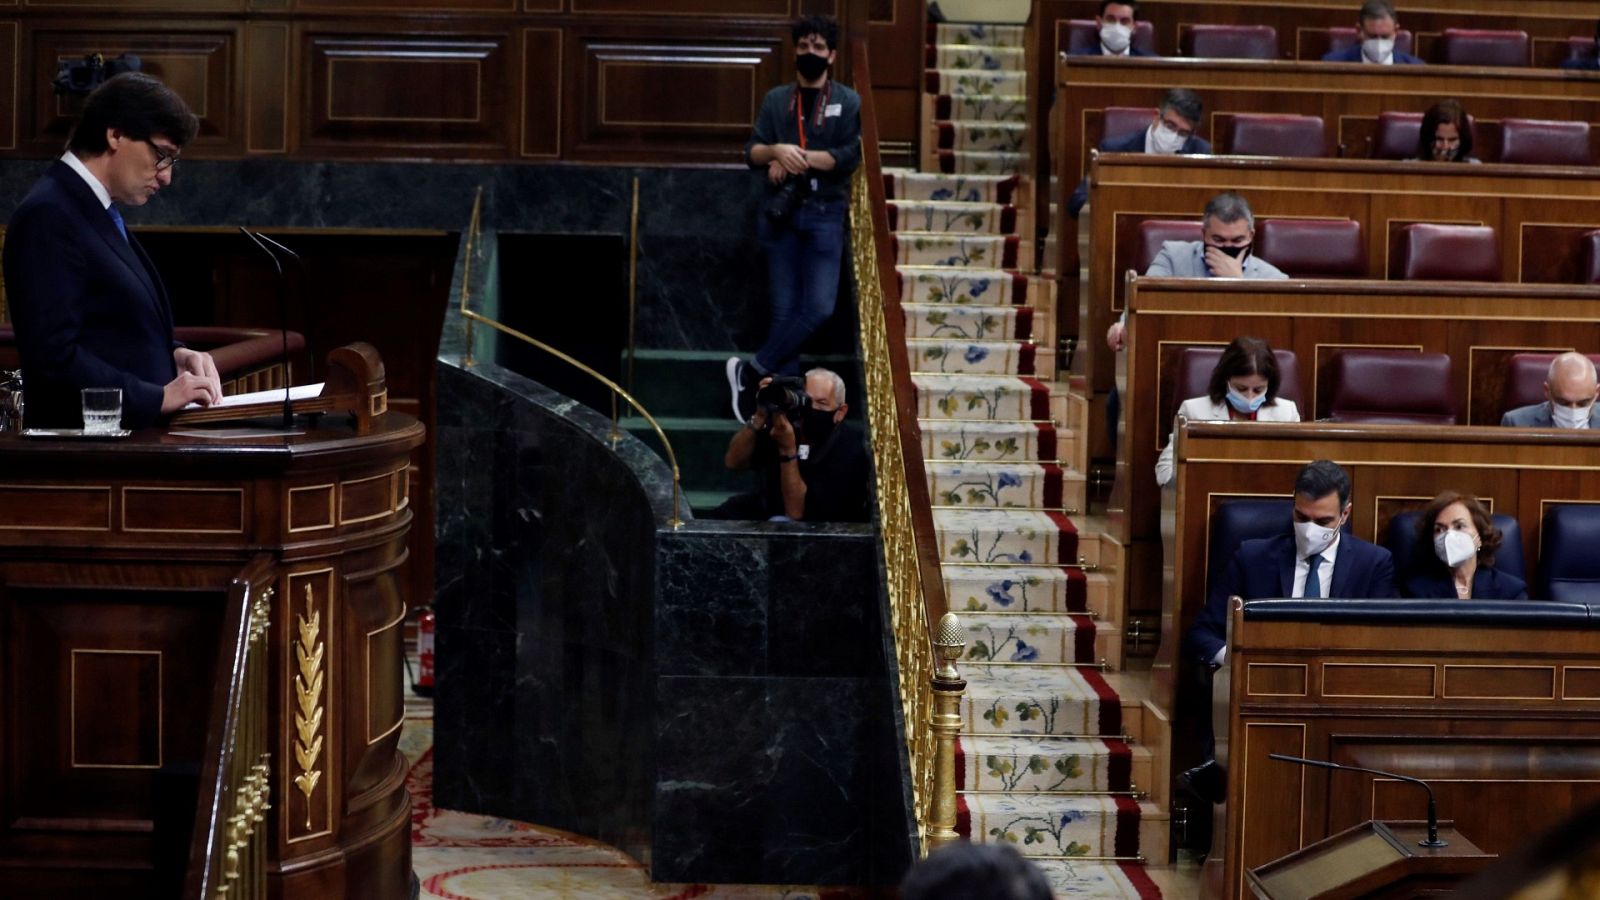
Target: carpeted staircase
{"points": [[1053, 755]]}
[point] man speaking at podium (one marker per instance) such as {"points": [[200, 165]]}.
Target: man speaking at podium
{"points": [[88, 305]]}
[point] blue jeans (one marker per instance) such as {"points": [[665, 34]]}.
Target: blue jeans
{"points": [[803, 257]]}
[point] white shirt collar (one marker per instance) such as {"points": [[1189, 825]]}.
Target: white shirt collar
{"points": [[76, 164], [1149, 147]]}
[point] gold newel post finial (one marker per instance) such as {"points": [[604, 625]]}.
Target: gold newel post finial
{"points": [[949, 688]]}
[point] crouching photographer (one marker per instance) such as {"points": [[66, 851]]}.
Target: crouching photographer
{"points": [[813, 467]]}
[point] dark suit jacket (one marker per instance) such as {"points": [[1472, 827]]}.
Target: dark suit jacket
{"points": [[1487, 584], [88, 307], [1264, 569], [1133, 142], [1096, 50], [1539, 415], [1582, 62], [1352, 54]]}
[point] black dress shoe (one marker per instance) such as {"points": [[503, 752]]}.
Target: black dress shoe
{"points": [[1208, 781]]}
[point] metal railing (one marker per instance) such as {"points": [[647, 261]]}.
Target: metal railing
{"points": [[228, 851], [474, 236], [930, 697]]}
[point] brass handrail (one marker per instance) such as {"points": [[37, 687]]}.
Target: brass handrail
{"points": [[930, 700], [473, 235]]}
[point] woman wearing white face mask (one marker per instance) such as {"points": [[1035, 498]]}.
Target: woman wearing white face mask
{"points": [[1456, 543], [1243, 387]]}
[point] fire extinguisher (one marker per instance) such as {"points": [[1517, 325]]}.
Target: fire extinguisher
{"points": [[423, 685]]}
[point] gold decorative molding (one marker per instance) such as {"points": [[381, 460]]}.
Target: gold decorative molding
{"points": [[308, 685]]}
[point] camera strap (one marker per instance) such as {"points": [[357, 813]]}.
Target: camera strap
{"points": [[823, 99]]}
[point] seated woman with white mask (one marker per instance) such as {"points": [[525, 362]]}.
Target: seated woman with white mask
{"points": [[1243, 387], [1456, 542]]}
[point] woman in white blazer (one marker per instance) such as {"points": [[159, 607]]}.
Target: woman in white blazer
{"points": [[1244, 387]]}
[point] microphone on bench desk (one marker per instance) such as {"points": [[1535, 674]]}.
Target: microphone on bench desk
{"points": [[1433, 810], [283, 310]]}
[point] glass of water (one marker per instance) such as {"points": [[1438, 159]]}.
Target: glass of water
{"points": [[102, 410]]}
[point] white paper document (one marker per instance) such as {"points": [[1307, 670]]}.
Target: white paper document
{"points": [[303, 392]]}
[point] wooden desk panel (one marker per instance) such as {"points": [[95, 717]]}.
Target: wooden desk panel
{"points": [[1479, 712], [1347, 97]]}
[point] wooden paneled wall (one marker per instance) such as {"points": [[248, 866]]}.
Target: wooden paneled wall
{"points": [[533, 80]]}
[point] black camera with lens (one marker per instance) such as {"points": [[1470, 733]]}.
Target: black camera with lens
{"points": [[784, 396], [790, 195]]}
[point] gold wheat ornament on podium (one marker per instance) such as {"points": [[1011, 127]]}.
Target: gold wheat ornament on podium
{"points": [[308, 693]]}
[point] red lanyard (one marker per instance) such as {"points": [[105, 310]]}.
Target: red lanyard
{"points": [[799, 117]]}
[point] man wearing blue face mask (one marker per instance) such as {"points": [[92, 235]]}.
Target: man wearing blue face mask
{"points": [[806, 142], [1377, 27], [1315, 560]]}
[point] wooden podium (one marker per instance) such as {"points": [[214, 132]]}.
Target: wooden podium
{"points": [[1371, 860], [119, 565]]}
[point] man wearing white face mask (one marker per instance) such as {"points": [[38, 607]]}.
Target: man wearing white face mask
{"points": [[1570, 388], [1313, 561], [1115, 26], [1170, 132], [1376, 26]]}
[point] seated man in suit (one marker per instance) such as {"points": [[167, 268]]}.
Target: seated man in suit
{"points": [[1314, 560], [1171, 132], [1570, 388], [1116, 21], [1377, 26], [88, 305], [1227, 231]]}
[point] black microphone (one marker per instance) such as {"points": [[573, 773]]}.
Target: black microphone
{"points": [[1433, 810], [283, 308], [305, 309]]}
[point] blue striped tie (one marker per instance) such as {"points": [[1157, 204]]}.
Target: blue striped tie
{"points": [[1313, 589]]}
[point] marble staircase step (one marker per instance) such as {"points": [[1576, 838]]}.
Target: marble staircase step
{"points": [[1053, 825], [1001, 485], [924, 248], [1057, 700], [980, 162], [908, 184], [977, 34], [1102, 880], [1039, 764], [1044, 638], [986, 58], [955, 321], [1012, 536], [997, 357], [959, 439], [951, 217], [982, 397], [975, 108], [988, 137], [969, 82], [973, 285], [1021, 589]]}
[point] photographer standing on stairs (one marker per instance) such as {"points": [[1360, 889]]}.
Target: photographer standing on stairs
{"points": [[813, 468], [807, 140]]}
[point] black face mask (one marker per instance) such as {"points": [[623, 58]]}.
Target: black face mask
{"points": [[1234, 252], [811, 65], [818, 424]]}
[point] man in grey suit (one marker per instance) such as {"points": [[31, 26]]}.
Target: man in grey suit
{"points": [[1226, 234], [1570, 389]]}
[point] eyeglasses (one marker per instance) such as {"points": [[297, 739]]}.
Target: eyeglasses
{"points": [[164, 160]]}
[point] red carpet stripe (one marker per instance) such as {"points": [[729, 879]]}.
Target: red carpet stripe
{"points": [[947, 162], [1008, 220], [1083, 639], [1053, 478], [1127, 840], [1024, 319], [1110, 703], [963, 817], [1039, 396], [942, 106], [1119, 767], [1077, 598], [1012, 244], [894, 217], [1047, 441], [1067, 546], [1025, 355], [947, 136], [961, 767], [1140, 879], [1019, 294], [888, 186], [1003, 189]]}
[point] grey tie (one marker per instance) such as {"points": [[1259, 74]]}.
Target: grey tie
{"points": [[1313, 589]]}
